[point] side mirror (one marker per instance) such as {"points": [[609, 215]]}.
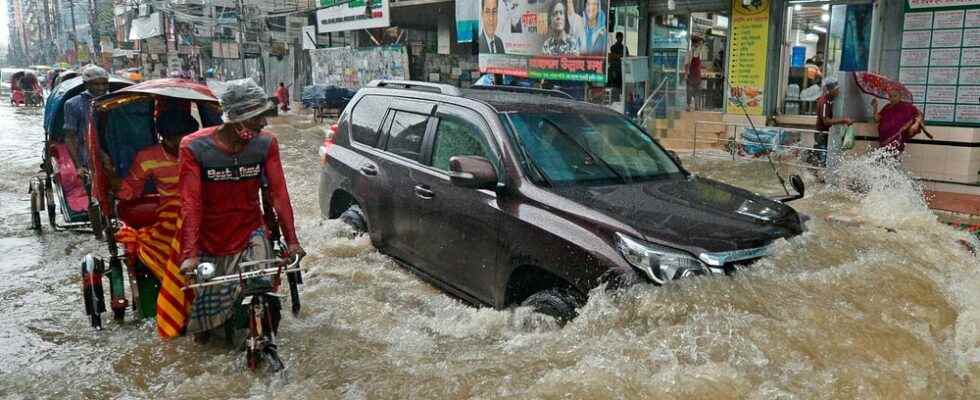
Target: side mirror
{"points": [[472, 172], [797, 184]]}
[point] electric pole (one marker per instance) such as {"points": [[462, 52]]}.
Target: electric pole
{"points": [[74, 31], [241, 27]]}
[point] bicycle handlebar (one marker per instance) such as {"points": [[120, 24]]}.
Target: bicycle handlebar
{"points": [[225, 279]]}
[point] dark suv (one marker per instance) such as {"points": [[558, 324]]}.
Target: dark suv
{"points": [[503, 197]]}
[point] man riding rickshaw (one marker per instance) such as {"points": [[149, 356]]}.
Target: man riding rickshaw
{"points": [[148, 197], [26, 90]]}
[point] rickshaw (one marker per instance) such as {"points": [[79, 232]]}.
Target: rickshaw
{"points": [[58, 176], [25, 91], [123, 123]]}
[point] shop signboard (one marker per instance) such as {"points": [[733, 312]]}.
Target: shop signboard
{"points": [[352, 15], [940, 59], [921, 4], [353, 69], [467, 20], [747, 55], [146, 27], [294, 28], [155, 45], [522, 39], [309, 37]]}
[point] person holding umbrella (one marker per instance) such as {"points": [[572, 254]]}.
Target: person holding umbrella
{"points": [[898, 121]]}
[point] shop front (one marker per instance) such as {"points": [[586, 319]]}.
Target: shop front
{"points": [[776, 55]]}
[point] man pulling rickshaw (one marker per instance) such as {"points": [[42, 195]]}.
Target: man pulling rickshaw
{"points": [[222, 170], [217, 205]]}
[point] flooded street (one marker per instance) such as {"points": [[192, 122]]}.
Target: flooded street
{"points": [[887, 309]]}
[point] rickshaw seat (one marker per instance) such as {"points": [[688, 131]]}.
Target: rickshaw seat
{"points": [[140, 212], [67, 178]]}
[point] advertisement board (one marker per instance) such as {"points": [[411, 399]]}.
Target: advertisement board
{"points": [[353, 69], [747, 55], [467, 20], [917, 4], [352, 15], [940, 60], [558, 40]]}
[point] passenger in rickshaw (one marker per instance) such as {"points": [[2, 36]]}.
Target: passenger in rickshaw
{"points": [[156, 165], [77, 113], [221, 171]]}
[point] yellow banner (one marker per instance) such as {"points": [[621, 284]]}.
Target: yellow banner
{"points": [[747, 54]]}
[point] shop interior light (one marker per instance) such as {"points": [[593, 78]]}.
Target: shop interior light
{"points": [[721, 21], [798, 7], [819, 28], [825, 7], [825, 17], [811, 37]]}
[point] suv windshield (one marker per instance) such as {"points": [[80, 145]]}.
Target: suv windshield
{"points": [[572, 148]]}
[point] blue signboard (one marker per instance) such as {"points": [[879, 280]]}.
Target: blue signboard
{"points": [[799, 57]]}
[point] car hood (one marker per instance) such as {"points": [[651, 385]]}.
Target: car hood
{"points": [[693, 214]]}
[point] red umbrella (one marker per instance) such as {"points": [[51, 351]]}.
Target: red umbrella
{"points": [[879, 85]]}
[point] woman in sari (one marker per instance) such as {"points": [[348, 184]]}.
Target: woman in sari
{"points": [[898, 121]]}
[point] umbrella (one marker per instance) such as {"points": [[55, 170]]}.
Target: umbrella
{"points": [[879, 85]]}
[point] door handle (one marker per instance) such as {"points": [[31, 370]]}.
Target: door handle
{"points": [[424, 192], [369, 170]]}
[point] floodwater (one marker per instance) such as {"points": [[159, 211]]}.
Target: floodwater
{"points": [[884, 305]]}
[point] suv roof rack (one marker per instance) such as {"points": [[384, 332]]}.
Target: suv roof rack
{"points": [[521, 89], [443, 88]]}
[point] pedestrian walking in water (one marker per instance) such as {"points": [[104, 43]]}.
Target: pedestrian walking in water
{"points": [[282, 96], [898, 121]]}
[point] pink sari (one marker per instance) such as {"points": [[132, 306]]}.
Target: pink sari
{"points": [[894, 123]]}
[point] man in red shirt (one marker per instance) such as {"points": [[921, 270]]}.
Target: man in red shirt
{"points": [[222, 170], [825, 120]]}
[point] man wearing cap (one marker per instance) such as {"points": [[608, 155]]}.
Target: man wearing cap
{"points": [[77, 111], [825, 120], [222, 170]]}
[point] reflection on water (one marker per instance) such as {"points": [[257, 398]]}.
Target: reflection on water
{"points": [[882, 306]]}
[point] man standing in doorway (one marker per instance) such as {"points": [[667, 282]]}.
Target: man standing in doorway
{"points": [[489, 41], [616, 54]]}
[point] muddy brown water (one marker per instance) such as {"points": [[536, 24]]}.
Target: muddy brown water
{"points": [[842, 311]]}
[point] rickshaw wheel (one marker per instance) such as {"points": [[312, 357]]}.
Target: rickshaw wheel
{"points": [[49, 199], [251, 358], [119, 314], [36, 204], [95, 218]]}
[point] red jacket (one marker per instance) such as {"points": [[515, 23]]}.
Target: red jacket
{"points": [[220, 193]]}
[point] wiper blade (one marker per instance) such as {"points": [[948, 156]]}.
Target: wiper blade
{"points": [[530, 161], [583, 148]]}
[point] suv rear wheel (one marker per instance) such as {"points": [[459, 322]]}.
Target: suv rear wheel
{"points": [[557, 303]]}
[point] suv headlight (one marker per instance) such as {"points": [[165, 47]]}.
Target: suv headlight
{"points": [[659, 263]]}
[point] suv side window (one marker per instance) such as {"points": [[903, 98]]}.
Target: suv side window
{"points": [[455, 136], [366, 119], [406, 133]]}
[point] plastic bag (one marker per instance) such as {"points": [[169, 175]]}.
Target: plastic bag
{"points": [[847, 142], [811, 93]]}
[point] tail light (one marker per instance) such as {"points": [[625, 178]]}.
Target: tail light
{"points": [[328, 141]]}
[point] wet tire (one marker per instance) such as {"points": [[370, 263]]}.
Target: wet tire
{"points": [[557, 303], [119, 314], [355, 218], [95, 219], [36, 204]]}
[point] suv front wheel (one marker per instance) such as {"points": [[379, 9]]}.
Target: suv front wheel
{"points": [[557, 303]]}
